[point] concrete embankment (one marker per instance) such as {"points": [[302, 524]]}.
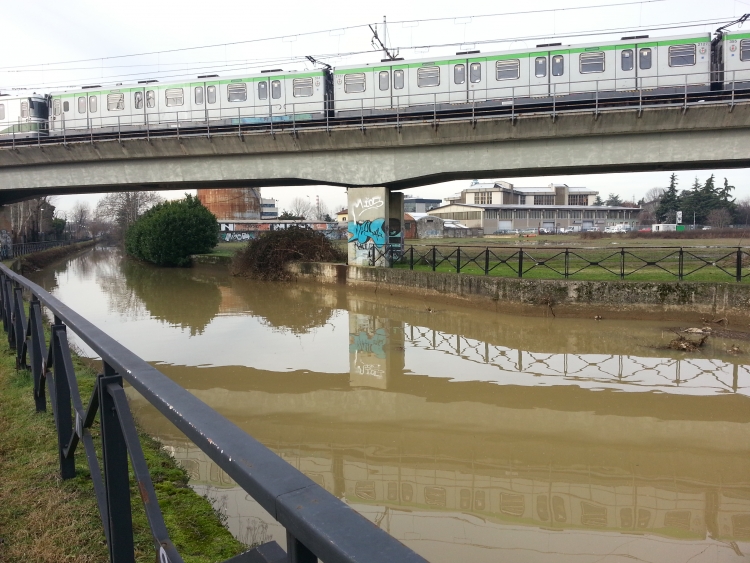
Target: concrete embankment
{"points": [[38, 260], [561, 297]]}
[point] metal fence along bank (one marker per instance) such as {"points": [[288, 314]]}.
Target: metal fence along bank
{"points": [[318, 525], [655, 263]]}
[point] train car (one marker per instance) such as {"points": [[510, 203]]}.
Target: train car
{"points": [[666, 65], [254, 99], [23, 116], [733, 60]]}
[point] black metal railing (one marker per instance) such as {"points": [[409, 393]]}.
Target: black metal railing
{"points": [[318, 525], [23, 248], [657, 262]]}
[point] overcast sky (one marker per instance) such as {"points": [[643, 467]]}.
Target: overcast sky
{"points": [[47, 46]]}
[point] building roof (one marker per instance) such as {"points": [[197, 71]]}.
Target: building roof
{"points": [[520, 206]]}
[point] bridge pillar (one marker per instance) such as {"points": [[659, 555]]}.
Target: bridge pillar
{"points": [[376, 217]]}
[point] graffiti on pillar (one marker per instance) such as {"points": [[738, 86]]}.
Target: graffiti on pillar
{"points": [[365, 205], [372, 344], [366, 233]]}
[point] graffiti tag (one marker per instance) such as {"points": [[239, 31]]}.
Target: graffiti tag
{"points": [[363, 342], [364, 205], [234, 236], [362, 231]]}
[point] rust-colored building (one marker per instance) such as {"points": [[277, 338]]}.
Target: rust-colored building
{"points": [[232, 203]]}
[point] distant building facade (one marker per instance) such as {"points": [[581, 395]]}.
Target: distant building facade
{"points": [[268, 209], [420, 205], [230, 204]]}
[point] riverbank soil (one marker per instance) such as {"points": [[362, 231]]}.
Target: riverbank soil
{"points": [[45, 519]]}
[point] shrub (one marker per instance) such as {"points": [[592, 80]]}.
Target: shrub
{"points": [[168, 233], [265, 257]]}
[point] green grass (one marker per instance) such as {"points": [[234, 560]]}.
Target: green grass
{"points": [[44, 519]]}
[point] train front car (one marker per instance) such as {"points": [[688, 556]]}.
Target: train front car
{"points": [[734, 56], [204, 104], [22, 117]]}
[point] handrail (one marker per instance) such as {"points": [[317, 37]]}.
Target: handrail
{"points": [[318, 524]]}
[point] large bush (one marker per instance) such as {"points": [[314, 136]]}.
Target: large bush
{"points": [[168, 233]]}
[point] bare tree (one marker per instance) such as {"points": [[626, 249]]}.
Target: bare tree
{"points": [[122, 209], [653, 195], [719, 218], [79, 218], [743, 211], [302, 207]]}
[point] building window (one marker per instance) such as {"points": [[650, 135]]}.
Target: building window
{"points": [[275, 89], [682, 55], [508, 70], [558, 65], [459, 74], [138, 100], [490, 214], [745, 50], [540, 67], [588, 214], [483, 198], [384, 80], [428, 76], [601, 214], [398, 79], [82, 104], [355, 83], [626, 59], [302, 87], [199, 95], [535, 214], [592, 62], [575, 214], [55, 109], [544, 200], [211, 94], [548, 214], [578, 199], [644, 59], [475, 73], [237, 92], [115, 102], [506, 214], [93, 104], [521, 214]]}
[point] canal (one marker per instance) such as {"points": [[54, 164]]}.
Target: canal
{"points": [[467, 434]]}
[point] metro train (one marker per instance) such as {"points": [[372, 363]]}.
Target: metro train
{"points": [[636, 66]]}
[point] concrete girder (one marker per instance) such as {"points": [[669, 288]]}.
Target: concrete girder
{"points": [[705, 136]]}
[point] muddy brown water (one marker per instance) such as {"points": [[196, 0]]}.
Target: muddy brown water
{"points": [[466, 434]]}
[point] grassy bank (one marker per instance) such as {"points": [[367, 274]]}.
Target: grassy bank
{"points": [[38, 260], [44, 519]]}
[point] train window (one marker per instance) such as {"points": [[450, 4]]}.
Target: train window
{"points": [[475, 72], [198, 95], [540, 67], [138, 100], [24, 109], [93, 104], [302, 87], [82, 104], [508, 70], [384, 80], [626, 59], [263, 90], [150, 99], [354, 83], [591, 62], [682, 55], [211, 94], [644, 59], [237, 92], [558, 65], [66, 106], [174, 97], [745, 50], [275, 89], [2, 111], [55, 107], [428, 76], [398, 79], [115, 102], [459, 74]]}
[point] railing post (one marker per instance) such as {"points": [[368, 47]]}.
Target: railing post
{"points": [[681, 265], [239, 123], [62, 404], [411, 257], [119, 133], [19, 323], [739, 264], [520, 263], [567, 263], [434, 111], [116, 479], [622, 263], [458, 260], [434, 258], [297, 552], [36, 355], [486, 261]]}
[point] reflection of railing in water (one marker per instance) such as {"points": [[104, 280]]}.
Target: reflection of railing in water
{"points": [[596, 368]]}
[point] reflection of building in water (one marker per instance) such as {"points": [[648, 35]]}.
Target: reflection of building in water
{"points": [[376, 349]]}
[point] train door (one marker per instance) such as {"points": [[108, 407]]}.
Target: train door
{"points": [[648, 69], [459, 81], [278, 96], [626, 68], [539, 74], [197, 96], [477, 79], [94, 109], [559, 72], [400, 86], [383, 81], [262, 98], [152, 105], [137, 107]]}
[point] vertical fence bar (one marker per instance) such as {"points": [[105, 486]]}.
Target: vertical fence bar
{"points": [[434, 258], [739, 265], [622, 263], [19, 323], [36, 357], [61, 390], [681, 265], [567, 263], [458, 260], [239, 123], [486, 261], [520, 263], [116, 479], [297, 552], [411, 257]]}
